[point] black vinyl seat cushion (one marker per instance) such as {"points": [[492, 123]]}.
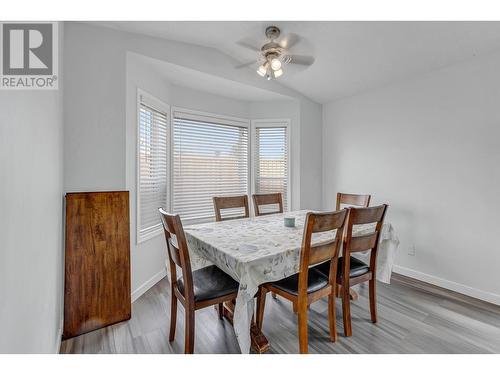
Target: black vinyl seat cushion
{"points": [[357, 268], [316, 281], [209, 283]]}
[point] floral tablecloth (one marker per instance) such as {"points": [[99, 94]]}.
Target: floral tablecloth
{"points": [[261, 249]]}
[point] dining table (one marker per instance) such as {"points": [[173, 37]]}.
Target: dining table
{"points": [[262, 249]]}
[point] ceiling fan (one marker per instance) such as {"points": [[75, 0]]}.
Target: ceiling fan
{"points": [[275, 54]]}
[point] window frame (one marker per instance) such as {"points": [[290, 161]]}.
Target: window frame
{"points": [[206, 116], [272, 123], [143, 97]]}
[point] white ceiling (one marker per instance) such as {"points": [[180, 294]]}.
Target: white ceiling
{"points": [[351, 57]]}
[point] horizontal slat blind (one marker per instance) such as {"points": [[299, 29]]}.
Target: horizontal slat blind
{"points": [[210, 158], [271, 161], [153, 130]]}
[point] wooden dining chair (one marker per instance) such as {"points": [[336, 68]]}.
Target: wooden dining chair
{"points": [[309, 285], [353, 271], [195, 290], [359, 200], [265, 200], [225, 203]]}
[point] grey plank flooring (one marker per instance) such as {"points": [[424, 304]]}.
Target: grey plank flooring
{"points": [[414, 317]]}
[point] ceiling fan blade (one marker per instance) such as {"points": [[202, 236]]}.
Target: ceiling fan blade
{"points": [[247, 45], [289, 41], [300, 59], [245, 64]]}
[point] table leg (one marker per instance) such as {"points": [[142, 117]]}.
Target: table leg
{"points": [[259, 342]]}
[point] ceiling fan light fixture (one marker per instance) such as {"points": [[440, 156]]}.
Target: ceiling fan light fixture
{"points": [[273, 55], [262, 70], [276, 64]]}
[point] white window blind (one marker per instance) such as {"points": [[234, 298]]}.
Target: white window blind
{"points": [[271, 173], [210, 158], [152, 166]]}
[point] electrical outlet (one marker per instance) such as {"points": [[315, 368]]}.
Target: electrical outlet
{"points": [[411, 250]]}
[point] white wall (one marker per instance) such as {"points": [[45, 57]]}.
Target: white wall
{"points": [[31, 206], [205, 102], [94, 110], [430, 148], [311, 161]]}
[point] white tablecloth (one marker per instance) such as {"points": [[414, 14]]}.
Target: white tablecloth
{"points": [[261, 249]]}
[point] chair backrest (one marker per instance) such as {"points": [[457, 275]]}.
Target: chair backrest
{"points": [[224, 203], [370, 241], [266, 199], [178, 254], [353, 199], [326, 250]]}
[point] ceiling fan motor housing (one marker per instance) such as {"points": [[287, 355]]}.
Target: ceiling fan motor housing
{"points": [[272, 50], [273, 32]]}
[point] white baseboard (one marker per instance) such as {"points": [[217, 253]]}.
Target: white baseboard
{"points": [[148, 284], [447, 284]]}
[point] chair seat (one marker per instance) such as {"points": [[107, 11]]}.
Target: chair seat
{"points": [[357, 268], [316, 281], [209, 283]]}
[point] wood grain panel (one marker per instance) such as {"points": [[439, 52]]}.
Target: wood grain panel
{"points": [[97, 262]]}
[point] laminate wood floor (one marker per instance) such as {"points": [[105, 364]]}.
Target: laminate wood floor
{"points": [[414, 317]]}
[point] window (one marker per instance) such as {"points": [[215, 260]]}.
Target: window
{"points": [[210, 157], [152, 164], [271, 168]]}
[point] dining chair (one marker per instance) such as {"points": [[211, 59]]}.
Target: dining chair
{"points": [[359, 200], [310, 285], [266, 200], [228, 203], [195, 290], [353, 271]]}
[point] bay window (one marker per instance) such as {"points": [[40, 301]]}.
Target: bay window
{"points": [[185, 158]]}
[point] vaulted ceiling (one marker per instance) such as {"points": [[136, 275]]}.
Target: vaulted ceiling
{"points": [[350, 57]]}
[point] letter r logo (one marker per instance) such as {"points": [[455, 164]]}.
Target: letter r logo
{"points": [[27, 48]]}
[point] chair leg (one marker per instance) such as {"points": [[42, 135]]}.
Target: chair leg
{"points": [[303, 345], [346, 311], [373, 300], [261, 303], [173, 316], [189, 333], [220, 309], [332, 317]]}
